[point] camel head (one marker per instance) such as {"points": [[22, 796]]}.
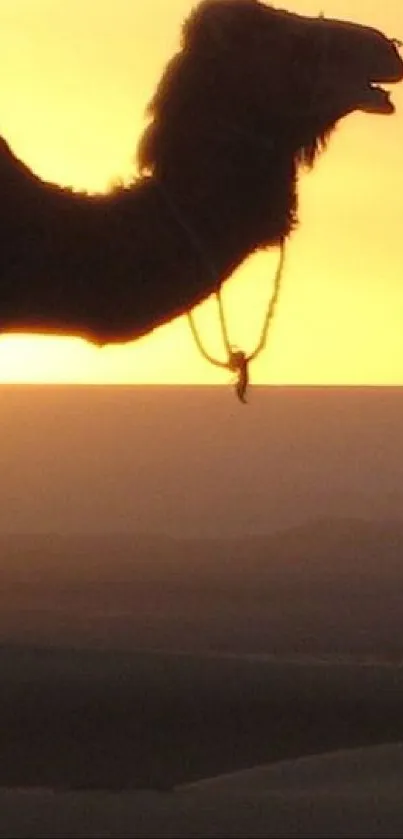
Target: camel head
{"points": [[254, 93], [248, 69]]}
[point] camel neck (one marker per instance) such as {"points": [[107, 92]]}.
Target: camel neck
{"points": [[228, 209]]}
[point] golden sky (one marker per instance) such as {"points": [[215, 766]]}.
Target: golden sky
{"points": [[76, 77]]}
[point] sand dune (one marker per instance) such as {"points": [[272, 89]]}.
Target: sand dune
{"points": [[339, 769], [344, 794]]}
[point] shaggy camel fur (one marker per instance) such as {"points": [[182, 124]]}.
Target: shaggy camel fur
{"points": [[252, 94]]}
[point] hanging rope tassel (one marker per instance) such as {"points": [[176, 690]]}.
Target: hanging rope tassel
{"points": [[237, 361]]}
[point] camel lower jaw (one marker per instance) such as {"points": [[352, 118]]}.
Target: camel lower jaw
{"points": [[376, 100]]}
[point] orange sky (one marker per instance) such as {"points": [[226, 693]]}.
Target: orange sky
{"points": [[75, 79]]}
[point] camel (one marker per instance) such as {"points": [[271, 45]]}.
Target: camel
{"points": [[252, 95]]}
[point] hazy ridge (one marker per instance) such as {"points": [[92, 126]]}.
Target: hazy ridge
{"points": [[328, 588]]}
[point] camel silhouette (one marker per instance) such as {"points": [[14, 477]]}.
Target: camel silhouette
{"points": [[252, 95]]}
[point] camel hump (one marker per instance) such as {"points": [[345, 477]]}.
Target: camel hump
{"points": [[11, 167], [7, 157], [4, 147]]}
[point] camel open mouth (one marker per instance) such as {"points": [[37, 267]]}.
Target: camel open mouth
{"points": [[375, 99], [372, 95]]}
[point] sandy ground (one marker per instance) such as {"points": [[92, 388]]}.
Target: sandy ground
{"points": [[344, 794]]}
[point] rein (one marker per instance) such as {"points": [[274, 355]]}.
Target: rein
{"points": [[237, 360]]}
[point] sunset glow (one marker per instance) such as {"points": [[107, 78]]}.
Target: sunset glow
{"points": [[76, 78]]}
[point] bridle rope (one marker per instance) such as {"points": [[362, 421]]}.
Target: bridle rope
{"points": [[237, 361], [224, 331]]}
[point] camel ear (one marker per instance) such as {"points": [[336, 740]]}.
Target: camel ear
{"points": [[215, 22]]}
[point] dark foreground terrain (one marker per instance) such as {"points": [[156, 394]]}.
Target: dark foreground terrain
{"points": [[319, 603], [118, 720]]}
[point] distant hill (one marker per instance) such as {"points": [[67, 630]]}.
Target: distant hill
{"points": [[328, 587]]}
